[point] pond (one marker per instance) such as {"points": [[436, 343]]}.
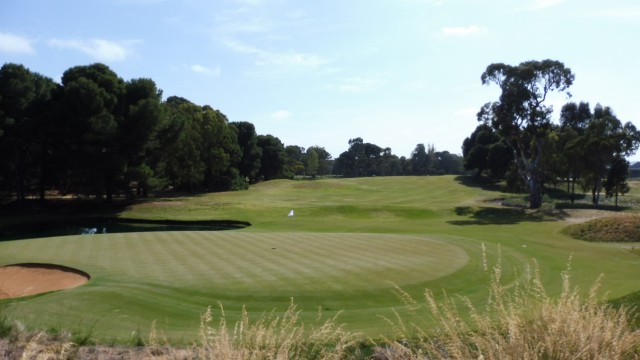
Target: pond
{"points": [[92, 226]]}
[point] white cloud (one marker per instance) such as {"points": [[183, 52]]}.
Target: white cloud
{"points": [[14, 44], [99, 49], [462, 31], [281, 115], [205, 70]]}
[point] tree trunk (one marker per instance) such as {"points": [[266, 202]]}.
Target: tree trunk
{"points": [[573, 189], [535, 195], [596, 192]]}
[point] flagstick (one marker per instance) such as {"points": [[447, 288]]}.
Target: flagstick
{"points": [[291, 215]]}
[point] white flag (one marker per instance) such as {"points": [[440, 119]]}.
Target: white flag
{"points": [[291, 213]]}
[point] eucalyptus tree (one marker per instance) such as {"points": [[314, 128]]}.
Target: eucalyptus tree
{"points": [[616, 182], [521, 117], [604, 142], [574, 119]]}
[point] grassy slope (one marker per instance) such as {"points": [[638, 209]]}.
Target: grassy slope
{"points": [[172, 277]]}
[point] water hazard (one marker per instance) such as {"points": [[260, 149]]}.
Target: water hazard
{"points": [[94, 226]]}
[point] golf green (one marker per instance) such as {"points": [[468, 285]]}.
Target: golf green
{"points": [[137, 278]]}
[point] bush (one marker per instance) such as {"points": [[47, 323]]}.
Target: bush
{"points": [[612, 229]]}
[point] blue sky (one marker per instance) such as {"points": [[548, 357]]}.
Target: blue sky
{"points": [[394, 72]]}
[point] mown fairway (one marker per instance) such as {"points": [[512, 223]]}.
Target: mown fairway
{"points": [[349, 240]]}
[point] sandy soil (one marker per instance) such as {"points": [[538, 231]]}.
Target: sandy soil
{"points": [[29, 279]]}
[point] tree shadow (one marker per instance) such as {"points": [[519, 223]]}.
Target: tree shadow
{"points": [[590, 206], [503, 216], [478, 182]]}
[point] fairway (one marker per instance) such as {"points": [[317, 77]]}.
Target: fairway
{"points": [[202, 268]]}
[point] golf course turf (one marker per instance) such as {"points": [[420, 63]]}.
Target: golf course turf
{"points": [[348, 244]]}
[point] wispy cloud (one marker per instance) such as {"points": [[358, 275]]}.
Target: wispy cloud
{"points": [[542, 4], [628, 13], [285, 59], [281, 115], [14, 44], [360, 84], [99, 49], [470, 111], [471, 30], [200, 69]]}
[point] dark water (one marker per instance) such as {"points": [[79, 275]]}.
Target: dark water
{"points": [[95, 226]]}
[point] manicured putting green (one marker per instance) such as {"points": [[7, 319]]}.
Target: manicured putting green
{"points": [[137, 278]]}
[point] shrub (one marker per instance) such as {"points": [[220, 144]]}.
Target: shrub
{"points": [[611, 229]]}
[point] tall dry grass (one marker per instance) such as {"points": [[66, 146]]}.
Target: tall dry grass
{"points": [[272, 337], [519, 321]]}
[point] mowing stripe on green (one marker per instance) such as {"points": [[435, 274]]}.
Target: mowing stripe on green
{"points": [[141, 277]]}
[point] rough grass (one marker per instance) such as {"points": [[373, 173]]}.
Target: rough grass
{"points": [[609, 229], [519, 321]]}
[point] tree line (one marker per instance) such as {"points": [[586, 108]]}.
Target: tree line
{"points": [[97, 134], [516, 140]]}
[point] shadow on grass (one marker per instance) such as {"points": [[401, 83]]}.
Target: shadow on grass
{"points": [[503, 216], [478, 182], [589, 206]]}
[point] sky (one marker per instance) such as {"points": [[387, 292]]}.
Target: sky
{"points": [[395, 73]]}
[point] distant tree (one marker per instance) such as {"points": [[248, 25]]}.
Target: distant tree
{"points": [[372, 159], [421, 162], [25, 126], [249, 165], [520, 116], [296, 159], [616, 182], [447, 163], [182, 162], [312, 163], [574, 119], [389, 163], [484, 151], [604, 141], [221, 151], [324, 160], [93, 111], [273, 160], [143, 114]]}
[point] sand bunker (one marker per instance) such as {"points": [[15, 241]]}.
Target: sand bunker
{"points": [[29, 279]]}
